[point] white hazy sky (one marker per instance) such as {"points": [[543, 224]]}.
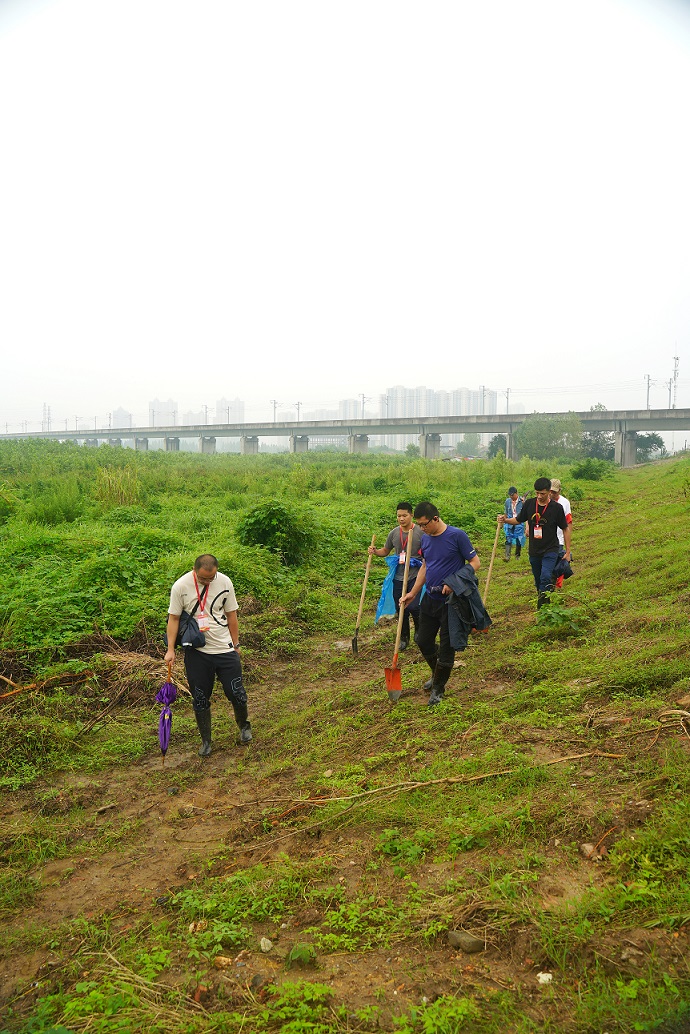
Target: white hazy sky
{"points": [[307, 200]]}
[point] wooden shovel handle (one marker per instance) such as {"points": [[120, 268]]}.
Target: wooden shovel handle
{"points": [[401, 612], [364, 587], [491, 564]]}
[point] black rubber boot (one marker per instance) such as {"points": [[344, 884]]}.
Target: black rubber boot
{"points": [[507, 556], [428, 684], [543, 599], [436, 696], [203, 721], [245, 735], [518, 550]]}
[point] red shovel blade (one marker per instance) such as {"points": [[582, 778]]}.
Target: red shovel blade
{"points": [[393, 680]]}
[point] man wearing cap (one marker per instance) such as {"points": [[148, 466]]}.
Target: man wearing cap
{"points": [[514, 533], [558, 497], [209, 596], [543, 517]]}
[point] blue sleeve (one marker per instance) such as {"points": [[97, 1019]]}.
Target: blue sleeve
{"points": [[465, 547]]}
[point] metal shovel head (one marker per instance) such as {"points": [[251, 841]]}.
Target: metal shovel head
{"points": [[393, 681], [354, 645]]}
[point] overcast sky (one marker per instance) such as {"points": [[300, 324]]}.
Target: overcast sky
{"points": [[308, 200]]}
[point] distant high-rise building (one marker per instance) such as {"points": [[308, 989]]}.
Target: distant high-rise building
{"points": [[349, 409], [229, 411], [422, 401], [162, 414], [121, 418]]}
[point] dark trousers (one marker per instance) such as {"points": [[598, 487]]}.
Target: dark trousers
{"points": [[412, 609], [433, 621], [542, 569], [202, 669]]}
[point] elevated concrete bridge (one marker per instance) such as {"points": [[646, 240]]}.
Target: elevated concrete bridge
{"points": [[624, 423]]}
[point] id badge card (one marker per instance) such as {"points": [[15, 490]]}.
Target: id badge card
{"points": [[203, 621], [537, 532], [401, 557]]}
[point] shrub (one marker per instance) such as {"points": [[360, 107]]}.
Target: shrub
{"points": [[592, 470], [279, 528]]}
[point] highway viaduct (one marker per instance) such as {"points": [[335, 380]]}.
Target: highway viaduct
{"points": [[626, 424]]}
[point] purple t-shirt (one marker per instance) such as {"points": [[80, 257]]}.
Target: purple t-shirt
{"points": [[445, 554]]}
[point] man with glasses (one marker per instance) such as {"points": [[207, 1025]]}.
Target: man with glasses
{"points": [[445, 550], [544, 517]]}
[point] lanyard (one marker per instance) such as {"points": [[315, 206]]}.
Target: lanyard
{"points": [[403, 545], [202, 598], [538, 515]]}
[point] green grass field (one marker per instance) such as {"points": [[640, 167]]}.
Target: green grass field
{"points": [[352, 835]]}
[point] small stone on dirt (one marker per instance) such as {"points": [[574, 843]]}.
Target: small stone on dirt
{"points": [[258, 981], [265, 944], [587, 850], [198, 926], [544, 978], [465, 941], [328, 773], [222, 962]]}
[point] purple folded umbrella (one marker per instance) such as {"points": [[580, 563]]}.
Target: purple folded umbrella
{"points": [[166, 695]]}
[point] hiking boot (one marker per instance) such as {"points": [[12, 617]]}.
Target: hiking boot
{"points": [[404, 643], [203, 721], [436, 696], [543, 599], [245, 734]]}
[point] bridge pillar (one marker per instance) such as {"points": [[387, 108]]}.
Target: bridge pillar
{"points": [[626, 448], [91, 443], [172, 444], [249, 445], [430, 446], [207, 445], [115, 442], [299, 443], [511, 451], [357, 444], [141, 444]]}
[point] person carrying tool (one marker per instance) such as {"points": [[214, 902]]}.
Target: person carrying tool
{"points": [[514, 533], [445, 551], [397, 543], [544, 517], [210, 596]]}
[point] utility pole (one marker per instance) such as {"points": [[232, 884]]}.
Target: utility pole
{"points": [[669, 385], [649, 381], [507, 393], [675, 380], [275, 405], [364, 400], [227, 414], [298, 406], [205, 408]]}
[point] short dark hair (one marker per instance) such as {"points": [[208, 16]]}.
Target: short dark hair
{"points": [[206, 562], [428, 510], [512, 490], [404, 506], [541, 484]]}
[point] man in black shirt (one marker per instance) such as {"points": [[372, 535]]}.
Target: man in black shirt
{"points": [[543, 517]]}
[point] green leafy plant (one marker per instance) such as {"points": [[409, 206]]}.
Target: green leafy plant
{"points": [[280, 528]]}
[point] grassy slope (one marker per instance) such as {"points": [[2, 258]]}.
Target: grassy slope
{"points": [[497, 856]]}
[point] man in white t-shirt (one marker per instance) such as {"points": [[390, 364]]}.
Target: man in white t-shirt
{"points": [[565, 503], [210, 597]]}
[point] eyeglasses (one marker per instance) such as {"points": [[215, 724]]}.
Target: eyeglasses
{"points": [[426, 523]]}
